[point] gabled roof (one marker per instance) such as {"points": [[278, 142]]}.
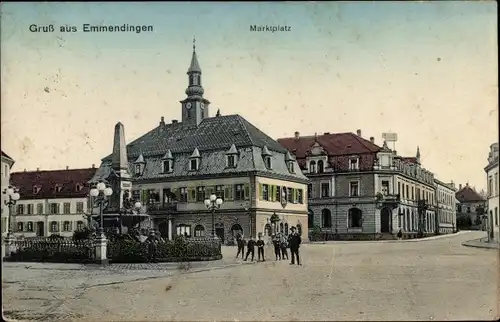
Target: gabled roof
{"points": [[6, 156], [140, 159], [47, 181], [214, 133], [410, 160], [335, 144], [232, 150], [467, 194]]}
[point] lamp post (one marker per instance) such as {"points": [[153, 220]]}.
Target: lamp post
{"points": [[274, 220], [213, 203], [422, 207], [13, 196], [101, 195], [247, 210]]}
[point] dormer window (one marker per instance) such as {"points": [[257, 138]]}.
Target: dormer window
{"points": [[291, 167], [78, 187], [312, 167], [194, 162], [59, 188], [354, 164], [139, 166], [36, 189], [266, 156], [321, 166], [168, 162], [231, 157], [290, 162]]}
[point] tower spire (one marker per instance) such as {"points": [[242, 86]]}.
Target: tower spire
{"points": [[194, 44]]}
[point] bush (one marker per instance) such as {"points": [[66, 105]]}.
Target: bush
{"points": [[53, 250], [315, 234]]}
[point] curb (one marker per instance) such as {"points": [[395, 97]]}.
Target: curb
{"points": [[413, 240], [477, 243]]}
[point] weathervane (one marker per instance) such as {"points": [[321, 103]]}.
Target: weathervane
{"points": [[194, 43]]}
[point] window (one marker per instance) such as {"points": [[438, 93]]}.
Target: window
{"points": [[265, 192], [59, 188], [291, 168], [78, 187], [20, 209], [79, 207], [267, 162], [166, 166], [136, 195], [183, 194], [79, 225], [325, 190], [385, 188], [321, 166], [20, 226], [326, 218], [39, 208], [54, 208], [67, 208], [31, 209], [167, 196], [355, 218], [353, 164], [496, 216], [219, 191], [468, 209], [199, 231], [289, 195], [240, 192], [354, 189], [412, 193], [407, 191], [231, 163], [200, 193], [153, 196], [278, 193], [54, 226], [194, 164], [312, 167], [300, 196], [29, 226], [309, 191], [67, 226], [137, 169], [36, 189], [184, 230]]}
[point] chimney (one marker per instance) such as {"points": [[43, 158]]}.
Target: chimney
{"points": [[326, 133], [24, 169], [372, 139], [459, 186], [67, 167], [93, 166], [162, 121], [37, 169], [297, 135], [358, 132], [174, 121]]}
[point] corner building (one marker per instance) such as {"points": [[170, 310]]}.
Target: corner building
{"points": [[174, 167]]}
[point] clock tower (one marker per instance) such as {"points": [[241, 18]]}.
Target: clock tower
{"points": [[194, 106]]}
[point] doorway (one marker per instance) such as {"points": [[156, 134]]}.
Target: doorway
{"points": [[163, 228], [385, 220], [40, 228], [219, 231]]}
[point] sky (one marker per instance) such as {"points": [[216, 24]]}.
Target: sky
{"points": [[424, 70]]}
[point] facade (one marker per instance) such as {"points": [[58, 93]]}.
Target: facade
{"points": [[445, 207], [491, 170], [174, 167], [359, 188], [7, 163], [470, 208], [52, 202]]}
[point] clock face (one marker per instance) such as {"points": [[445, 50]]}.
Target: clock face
{"points": [[188, 106], [202, 105]]}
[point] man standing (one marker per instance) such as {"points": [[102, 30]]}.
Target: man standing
{"points": [[283, 246], [250, 248], [241, 246], [294, 241], [260, 249], [277, 248]]}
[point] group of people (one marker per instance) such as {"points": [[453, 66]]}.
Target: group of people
{"points": [[280, 243]]}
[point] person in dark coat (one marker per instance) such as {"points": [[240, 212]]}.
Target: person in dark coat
{"points": [[277, 248], [241, 246], [283, 246], [260, 249], [152, 241], [294, 241], [250, 248]]}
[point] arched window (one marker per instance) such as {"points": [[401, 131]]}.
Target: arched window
{"points": [[310, 218], [267, 230], [199, 231], [326, 218], [20, 226], [236, 229], [79, 225], [54, 226], [286, 229], [184, 230], [309, 190], [321, 166], [355, 218], [67, 226], [312, 167], [282, 227], [299, 229]]}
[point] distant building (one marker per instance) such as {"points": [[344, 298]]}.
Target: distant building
{"points": [[491, 170], [471, 207], [7, 163], [53, 202], [174, 167], [446, 207], [358, 188]]}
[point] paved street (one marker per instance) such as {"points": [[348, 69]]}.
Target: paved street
{"points": [[436, 279]]}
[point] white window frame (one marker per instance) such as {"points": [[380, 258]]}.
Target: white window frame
{"points": [[354, 165], [350, 188], [229, 157], [166, 169], [197, 162]]}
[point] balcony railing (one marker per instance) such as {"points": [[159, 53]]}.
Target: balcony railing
{"points": [[157, 208]]}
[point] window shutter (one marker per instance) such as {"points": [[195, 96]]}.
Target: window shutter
{"points": [[191, 194], [231, 194], [57, 226], [176, 193], [296, 195], [58, 208], [247, 191], [70, 226], [261, 193], [273, 193]]}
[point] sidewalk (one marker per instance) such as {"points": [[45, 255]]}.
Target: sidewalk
{"points": [[390, 241], [481, 243]]}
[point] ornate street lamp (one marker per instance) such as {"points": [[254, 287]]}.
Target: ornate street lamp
{"points": [[129, 206], [212, 204], [247, 210], [101, 195], [13, 196], [274, 220], [422, 208]]}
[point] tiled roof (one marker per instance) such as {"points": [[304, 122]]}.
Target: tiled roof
{"points": [[214, 133], [467, 194], [47, 181], [338, 146], [6, 156], [409, 159]]}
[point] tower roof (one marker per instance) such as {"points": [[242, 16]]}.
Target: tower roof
{"points": [[195, 66]]}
